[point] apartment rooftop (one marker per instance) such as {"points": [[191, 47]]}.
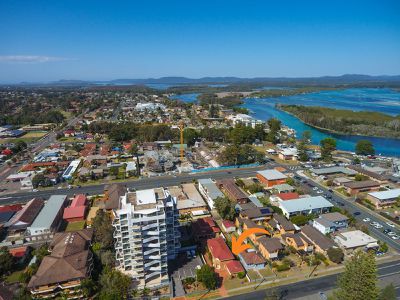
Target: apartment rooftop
{"points": [[146, 199]]}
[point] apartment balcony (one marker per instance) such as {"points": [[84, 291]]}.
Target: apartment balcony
{"points": [[153, 245], [149, 251], [149, 226], [151, 238], [152, 263], [151, 275]]}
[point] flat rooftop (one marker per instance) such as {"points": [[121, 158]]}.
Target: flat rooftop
{"points": [[146, 199]]}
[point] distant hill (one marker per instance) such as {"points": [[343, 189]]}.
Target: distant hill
{"points": [[347, 79]]}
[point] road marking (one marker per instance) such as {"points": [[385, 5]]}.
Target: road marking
{"points": [[389, 266], [389, 274]]}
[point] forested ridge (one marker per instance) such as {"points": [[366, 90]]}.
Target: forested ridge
{"points": [[347, 121]]}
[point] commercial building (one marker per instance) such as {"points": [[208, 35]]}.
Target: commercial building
{"points": [[50, 217], [271, 177], [355, 239], [384, 198], [355, 187], [147, 235], [305, 206], [24, 218], [210, 191], [62, 271]]}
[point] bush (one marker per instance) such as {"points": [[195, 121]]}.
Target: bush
{"points": [[282, 267], [336, 255], [288, 261], [241, 275]]}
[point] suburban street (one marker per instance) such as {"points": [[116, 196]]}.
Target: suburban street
{"points": [[387, 273]]}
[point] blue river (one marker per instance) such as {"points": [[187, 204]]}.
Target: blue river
{"points": [[359, 99]]}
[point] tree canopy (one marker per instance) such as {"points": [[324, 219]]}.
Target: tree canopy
{"points": [[328, 145], [207, 276], [225, 208], [365, 147]]}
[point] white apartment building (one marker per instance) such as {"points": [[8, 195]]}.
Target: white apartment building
{"points": [[146, 235]]}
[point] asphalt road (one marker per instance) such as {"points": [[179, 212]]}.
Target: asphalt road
{"points": [[351, 207], [386, 273], [144, 183]]}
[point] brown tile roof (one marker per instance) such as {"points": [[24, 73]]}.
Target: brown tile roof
{"points": [[69, 259], [361, 184], [316, 237], [297, 237], [283, 222], [25, 217], [113, 193], [252, 258], [232, 189], [271, 244]]}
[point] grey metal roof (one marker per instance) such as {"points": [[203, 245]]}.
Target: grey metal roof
{"points": [[283, 187], [302, 204], [385, 195], [212, 189], [272, 174], [50, 210]]}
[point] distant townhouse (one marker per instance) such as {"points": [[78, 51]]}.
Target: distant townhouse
{"points": [[321, 242], [305, 206], [271, 177], [356, 187], [270, 248], [245, 224], [234, 193], [288, 154], [228, 226], [252, 260], [356, 239], [49, 218], [333, 170], [330, 222], [281, 225], [381, 178], [283, 188], [258, 215], [210, 191], [384, 198]]}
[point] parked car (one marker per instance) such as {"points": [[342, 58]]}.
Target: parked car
{"points": [[357, 213], [395, 237], [366, 219], [391, 233], [390, 224]]}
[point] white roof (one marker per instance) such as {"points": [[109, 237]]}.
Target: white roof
{"points": [[272, 174], [384, 195], [355, 239], [146, 196], [303, 204]]}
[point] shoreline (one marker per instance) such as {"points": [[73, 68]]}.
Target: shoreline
{"points": [[331, 131]]}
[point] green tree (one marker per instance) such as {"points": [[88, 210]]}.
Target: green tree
{"points": [[336, 255], [189, 136], [103, 230], [302, 151], [274, 128], [239, 155], [388, 293], [306, 136], [114, 285], [328, 145], [361, 268], [365, 147], [225, 208], [6, 261], [207, 276]]}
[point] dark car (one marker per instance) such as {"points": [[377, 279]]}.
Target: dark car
{"points": [[341, 203], [386, 231], [357, 213]]}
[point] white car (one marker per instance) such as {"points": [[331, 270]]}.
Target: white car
{"points": [[378, 226], [315, 188], [366, 220], [391, 233], [395, 237], [390, 224], [320, 192]]}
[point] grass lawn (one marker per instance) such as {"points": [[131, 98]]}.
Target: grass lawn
{"points": [[15, 140], [14, 277], [35, 134], [253, 274], [235, 283], [266, 272], [74, 226]]}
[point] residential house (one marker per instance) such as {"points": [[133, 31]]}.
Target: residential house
{"points": [[234, 193], [279, 224], [321, 242], [234, 267], [330, 222], [228, 226], [63, 270], [252, 260], [355, 239], [204, 229], [298, 241], [305, 206], [77, 210], [270, 248], [112, 195], [220, 252]]}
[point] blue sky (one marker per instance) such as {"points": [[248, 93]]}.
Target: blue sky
{"points": [[101, 40]]}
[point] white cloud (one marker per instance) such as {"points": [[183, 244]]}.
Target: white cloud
{"points": [[30, 58]]}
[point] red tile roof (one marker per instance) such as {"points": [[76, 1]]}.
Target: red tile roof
{"points": [[234, 267], [13, 207], [252, 258], [228, 224], [219, 249], [74, 212], [79, 200], [18, 252], [288, 196]]}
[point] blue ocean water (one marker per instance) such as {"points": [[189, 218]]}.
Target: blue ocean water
{"points": [[369, 99]]}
